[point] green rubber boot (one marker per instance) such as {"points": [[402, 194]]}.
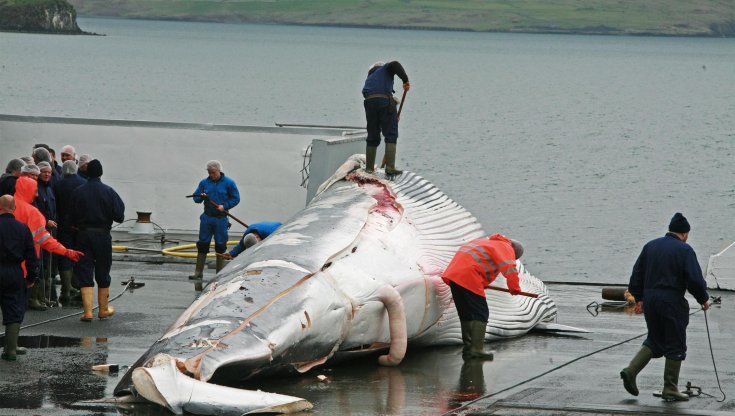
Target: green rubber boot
{"points": [[199, 269], [629, 373], [390, 160], [477, 339], [466, 337], [671, 391], [65, 295], [35, 301], [11, 342], [219, 263], [370, 153]]}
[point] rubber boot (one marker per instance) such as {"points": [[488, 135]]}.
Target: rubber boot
{"points": [[370, 153], [477, 338], [219, 264], [103, 297], [466, 337], [87, 302], [35, 301], [629, 373], [11, 342], [671, 391], [199, 270], [390, 160], [65, 295]]}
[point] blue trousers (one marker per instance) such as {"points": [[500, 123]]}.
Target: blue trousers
{"points": [[212, 226], [382, 117], [67, 238], [667, 318], [96, 263], [470, 306], [13, 293]]}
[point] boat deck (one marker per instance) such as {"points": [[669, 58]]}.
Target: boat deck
{"points": [[538, 374]]}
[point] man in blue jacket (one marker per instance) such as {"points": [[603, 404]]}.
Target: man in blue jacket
{"points": [[381, 112], [94, 208], [219, 194], [255, 233], [665, 270]]}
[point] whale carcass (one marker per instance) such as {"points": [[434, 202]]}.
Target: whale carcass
{"points": [[356, 272]]}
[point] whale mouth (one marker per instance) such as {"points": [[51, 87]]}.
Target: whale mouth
{"points": [[166, 385]]}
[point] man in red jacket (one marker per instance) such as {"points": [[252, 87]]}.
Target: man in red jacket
{"points": [[25, 191], [473, 268]]}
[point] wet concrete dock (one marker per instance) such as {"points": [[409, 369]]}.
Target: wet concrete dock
{"points": [[533, 375]]}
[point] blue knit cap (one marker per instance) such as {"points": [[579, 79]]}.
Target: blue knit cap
{"points": [[679, 224]]}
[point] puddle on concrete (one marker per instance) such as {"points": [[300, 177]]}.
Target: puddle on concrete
{"points": [[52, 341]]}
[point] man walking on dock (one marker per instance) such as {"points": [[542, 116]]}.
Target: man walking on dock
{"points": [[666, 268]]}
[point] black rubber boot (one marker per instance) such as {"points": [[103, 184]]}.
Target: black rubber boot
{"points": [[671, 391], [629, 373], [65, 295], [35, 301], [199, 269], [370, 152], [390, 160], [477, 349]]}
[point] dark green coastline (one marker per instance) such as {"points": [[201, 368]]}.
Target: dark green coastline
{"points": [[698, 18]]}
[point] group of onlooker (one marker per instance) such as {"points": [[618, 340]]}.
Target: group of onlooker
{"points": [[68, 212]]}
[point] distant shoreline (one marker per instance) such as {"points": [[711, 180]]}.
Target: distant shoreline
{"points": [[540, 31]]}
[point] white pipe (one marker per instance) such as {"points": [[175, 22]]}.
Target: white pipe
{"points": [[397, 325]]}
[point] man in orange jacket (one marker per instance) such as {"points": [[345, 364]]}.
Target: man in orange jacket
{"points": [[474, 266], [25, 191]]}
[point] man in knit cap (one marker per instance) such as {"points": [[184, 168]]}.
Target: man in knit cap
{"points": [[665, 270], [94, 207]]}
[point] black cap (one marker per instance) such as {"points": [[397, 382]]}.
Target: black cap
{"points": [[94, 168], [679, 224]]}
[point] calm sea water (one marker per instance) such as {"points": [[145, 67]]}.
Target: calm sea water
{"points": [[582, 147]]}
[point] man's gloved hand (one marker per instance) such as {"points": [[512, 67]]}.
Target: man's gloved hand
{"points": [[514, 291], [406, 86], [73, 255]]}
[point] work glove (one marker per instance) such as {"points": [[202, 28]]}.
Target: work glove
{"points": [[73, 255], [514, 291], [406, 86]]}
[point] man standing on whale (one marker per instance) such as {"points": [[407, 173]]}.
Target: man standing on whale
{"points": [[381, 112]]}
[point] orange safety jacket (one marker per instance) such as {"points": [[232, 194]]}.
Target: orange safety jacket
{"points": [[25, 212], [477, 263]]}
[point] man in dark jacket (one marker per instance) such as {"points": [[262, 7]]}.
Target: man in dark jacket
{"points": [[94, 207], [66, 234], [381, 112], [16, 246], [665, 270]]}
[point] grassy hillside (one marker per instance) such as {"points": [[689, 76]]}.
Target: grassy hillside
{"points": [[655, 17]]}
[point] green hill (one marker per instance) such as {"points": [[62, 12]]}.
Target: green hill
{"points": [[55, 16], [613, 17]]}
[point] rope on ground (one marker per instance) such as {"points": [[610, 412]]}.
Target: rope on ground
{"points": [[487, 396], [59, 318], [706, 323]]}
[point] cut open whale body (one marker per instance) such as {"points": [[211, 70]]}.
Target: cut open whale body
{"points": [[358, 269]]}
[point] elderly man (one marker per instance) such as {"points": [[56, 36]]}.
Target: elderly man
{"points": [[66, 233], [94, 207], [16, 247], [665, 270], [474, 266], [83, 161], [68, 153], [219, 194], [12, 172]]}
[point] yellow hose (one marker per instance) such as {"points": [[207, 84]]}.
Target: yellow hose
{"points": [[178, 251]]}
